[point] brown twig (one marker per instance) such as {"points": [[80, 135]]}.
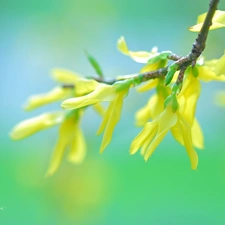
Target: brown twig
{"points": [[182, 62]]}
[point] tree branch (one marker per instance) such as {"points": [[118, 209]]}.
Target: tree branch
{"points": [[182, 62], [199, 45], [197, 49]]}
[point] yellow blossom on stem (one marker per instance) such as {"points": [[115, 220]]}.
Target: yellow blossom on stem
{"points": [[102, 93], [70, 134], [153, 108], [187, 99], [181, 122], [155, 104], [154, 132], [82, 85], [71, 137], [139, 56], [110, 119], [111, 93]]}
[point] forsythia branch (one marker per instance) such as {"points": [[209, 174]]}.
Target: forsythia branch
{"points": [[171, 108], [181, 62]]}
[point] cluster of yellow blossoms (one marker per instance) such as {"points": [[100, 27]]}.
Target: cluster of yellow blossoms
{"points": [[171, 108]]}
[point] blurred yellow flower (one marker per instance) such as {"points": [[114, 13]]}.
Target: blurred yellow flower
{"points": [[71, 137], [70, 134], [111, 93], [218, 21], [212, 70], [57, 94], [82, 86], [36, 124]]}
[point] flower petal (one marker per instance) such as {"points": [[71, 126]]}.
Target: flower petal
{"points": [[71, 136], [188, 98], [176, 132], [166, 120], [82, 85], [144, 114], [65, 76], [154, 66], [54, 95], [145, 136], [101, 93], [197, 135], [219, 16], [99, 109], [186, 133], [148, 85], [112, 121], [214, 26], [218, 21], [220, 66], [66, 133], [206, 74], [35, 124], [139, 56], [106, 118], [78, 149]]}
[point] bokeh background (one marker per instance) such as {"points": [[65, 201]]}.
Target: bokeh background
{"points": [[112, 188]]}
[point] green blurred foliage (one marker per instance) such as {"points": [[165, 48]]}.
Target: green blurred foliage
{"points": [[112, 188]]}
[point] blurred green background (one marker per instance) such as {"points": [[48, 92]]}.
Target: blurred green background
{"points": [[112, 188]]}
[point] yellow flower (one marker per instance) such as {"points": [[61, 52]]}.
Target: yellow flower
{"points": [[36, 124], [155, 105], [82, 86], [71, 137], [113, 94], [102, 93], [154, 132], [57, 94], [70, 134], [139, 56], [212, 70], [218, 21], [187, 100], [110, 119], [182, 123]]}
